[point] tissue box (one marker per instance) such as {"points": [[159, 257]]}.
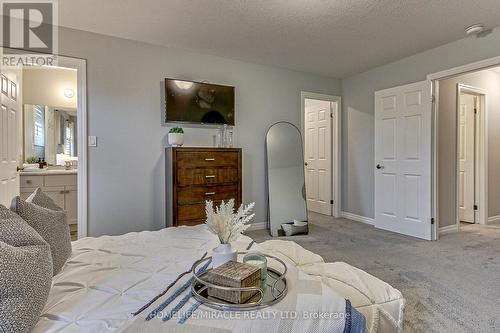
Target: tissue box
{"points": [[234, 274]]}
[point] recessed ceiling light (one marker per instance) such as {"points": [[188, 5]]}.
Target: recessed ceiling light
{"points": [[474, 29], [69, 93]]}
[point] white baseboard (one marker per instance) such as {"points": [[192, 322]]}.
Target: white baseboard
{"points": [[358, 218], [257, 226], [494, 219], [448, 229]]}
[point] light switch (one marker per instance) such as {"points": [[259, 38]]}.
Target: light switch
{"points": [[92, 141]]}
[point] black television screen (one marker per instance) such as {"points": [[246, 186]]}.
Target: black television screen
{"points": [[197, 102]]}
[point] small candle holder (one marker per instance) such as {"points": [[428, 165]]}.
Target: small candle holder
{"points": [[259, 260]]}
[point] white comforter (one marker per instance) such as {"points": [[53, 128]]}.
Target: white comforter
{"points": [[108, 278]]}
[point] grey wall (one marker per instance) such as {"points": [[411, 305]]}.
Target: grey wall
{"points": [[358, 110], [447, 142], [124, 81]]}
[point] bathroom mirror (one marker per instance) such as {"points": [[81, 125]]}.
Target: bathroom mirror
{"points": [[285, 177], [49, 134]]}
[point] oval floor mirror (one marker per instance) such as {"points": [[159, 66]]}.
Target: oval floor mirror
{"points": [[285, 179]]}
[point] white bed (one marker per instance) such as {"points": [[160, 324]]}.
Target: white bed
{"points": [[108, 278]]}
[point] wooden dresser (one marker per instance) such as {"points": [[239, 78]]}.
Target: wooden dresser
{"points": [[194, 175]]}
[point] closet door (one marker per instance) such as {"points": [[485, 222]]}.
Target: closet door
{"points": [[318, 155]]}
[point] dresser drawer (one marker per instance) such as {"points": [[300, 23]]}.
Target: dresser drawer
{"points": [[204, 159], [193, 211], [31, 181], [61, 180], [197, 194], [206, 176], [191, 222]]}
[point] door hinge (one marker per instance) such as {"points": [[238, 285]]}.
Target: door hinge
{"points": [[432, 220], [475, 110], [331, 202], [331, 114], [475, 207], [433, 99]]}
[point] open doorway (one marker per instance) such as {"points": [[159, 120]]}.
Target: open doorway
{"points": [[321, 132], [471, 103], [43, 119], [467, 111], [49, 137]]}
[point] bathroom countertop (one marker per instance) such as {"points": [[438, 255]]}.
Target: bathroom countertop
{"points": [[45, 172]]}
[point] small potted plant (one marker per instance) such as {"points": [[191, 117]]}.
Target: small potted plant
{"points": [[176, 136], [228, 226], [31, 162]]}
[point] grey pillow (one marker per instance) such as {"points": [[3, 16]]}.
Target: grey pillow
{"points": [[25, 273], [52, 225], [43, 200]]}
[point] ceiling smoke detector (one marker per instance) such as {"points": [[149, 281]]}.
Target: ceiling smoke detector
{"points": [[474, 29]]}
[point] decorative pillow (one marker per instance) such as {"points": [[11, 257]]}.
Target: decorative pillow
{"points": [[43, 200], [25, 273], [52, 225]]}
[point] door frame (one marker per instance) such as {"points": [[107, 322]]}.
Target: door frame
{"points": [[81, 67], [480, 154], [434, 78], [336, 122]]}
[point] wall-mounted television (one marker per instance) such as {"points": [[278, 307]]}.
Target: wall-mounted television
{"points": [[198, 102]]}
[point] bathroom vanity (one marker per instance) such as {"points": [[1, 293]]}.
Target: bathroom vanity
{"points": [[59, 184]]}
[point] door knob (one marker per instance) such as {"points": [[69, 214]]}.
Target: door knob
{"points": [[305, 164], [379, 166]]}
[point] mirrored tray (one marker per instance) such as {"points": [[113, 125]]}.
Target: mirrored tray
{"points": [[275, 291]]}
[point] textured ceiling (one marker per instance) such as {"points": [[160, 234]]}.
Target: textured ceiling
{"points": [[335, 38]]}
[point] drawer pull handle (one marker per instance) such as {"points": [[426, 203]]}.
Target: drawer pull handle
{"points": [[28, 182], [62, 192], [210, 176], [209, 193], [210, 159]]}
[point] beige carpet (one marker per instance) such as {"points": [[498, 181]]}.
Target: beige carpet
{"points": [[452, 285]]}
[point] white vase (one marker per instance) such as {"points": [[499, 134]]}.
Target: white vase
{"points": [[176, 139], [222, 254]]}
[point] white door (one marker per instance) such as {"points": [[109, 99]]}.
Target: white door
{"points": [[466, 157], [10, 120], [318, 155], [403, 159]]}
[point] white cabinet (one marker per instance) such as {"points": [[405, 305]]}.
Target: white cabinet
{"points": [[71, 203], [56, 194], [60, 188]]}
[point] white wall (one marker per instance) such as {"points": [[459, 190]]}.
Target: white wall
{"points": [[358, 109], [45, 86], [124, 84]]}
